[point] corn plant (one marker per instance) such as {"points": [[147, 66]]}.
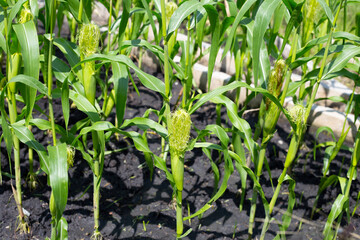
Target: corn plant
{"points": [[247, 30]]}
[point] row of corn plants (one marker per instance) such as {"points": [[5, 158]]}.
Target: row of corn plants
{"points": [[93, 75]]}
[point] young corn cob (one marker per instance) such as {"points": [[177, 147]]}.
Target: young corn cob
{"points": [[70, 150], [179, 134], [311, 12], [274, 87], [25, 14], [89, 38]]}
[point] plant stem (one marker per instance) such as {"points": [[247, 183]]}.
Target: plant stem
{"points": [[313, 94], [16, 147], [272, 203], [97, 181], [255, 193], [179, 218]]}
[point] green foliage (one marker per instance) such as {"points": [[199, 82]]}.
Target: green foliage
{"points": [[248, 31]]}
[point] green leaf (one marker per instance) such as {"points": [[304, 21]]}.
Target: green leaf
{"points": [[315, 42], [327, 11], [264, 57], [121, 82], [31, 82], [239, 123], [70, 52], [26, 137], [220, 133], [158, 51], [341, 60], [161, 164], [124, 21], [73, 6], [253, 177], [65, 102], [229, 168], [327, 129], [5, 127], [203, 98], [139, 142], [287, 216], [215, 39], [58, 176], [262, 20], [28, 38], [151, 20], [84, 105], [147, 80], [180, 14], [336, 209], [62, 229], [145, 124], [13, 12], [3, 42], [234, 27]]}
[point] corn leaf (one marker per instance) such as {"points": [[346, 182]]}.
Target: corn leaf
{"points": [[43, 125], [262, 20], [161, 164], [27, 36], [220, 133], [158, 51], [58, 176], [215, 39], [253, 177], [145, 124], [124, 20], [147, 80], [341, 60], [62, 229], [25, 136], [287, 216], [229, 168], [203, 98], [73, 7], [13, 12], [239, 123], [2, 42], [31, 82], [336, 209], [151, 20], [121, 82], [180, 14], [264, 62], [70, 52], [327, 10], [315, 42], [84, 105], [236, 23], [65, 102], [5, 126], [139, 142]]}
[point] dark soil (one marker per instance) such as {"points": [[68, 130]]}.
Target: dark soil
{"points": [[134, 207]]}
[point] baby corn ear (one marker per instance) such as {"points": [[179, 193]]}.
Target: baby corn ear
{"points": [[170, 8], [297, 113], [70, 150], [276, 80], [179, 131], [88, 38], [179, 134]]}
